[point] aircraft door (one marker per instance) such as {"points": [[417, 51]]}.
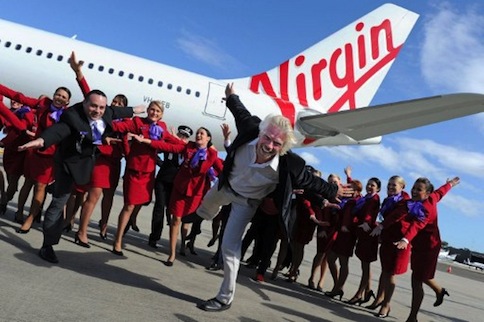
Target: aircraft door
{"points": [[215, 106]]}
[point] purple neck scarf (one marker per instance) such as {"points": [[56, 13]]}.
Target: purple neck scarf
{"points": [[201, 154], [416, 209], [360, 202], [388, 204], [20, 112], [156, 131], [55, 112]]}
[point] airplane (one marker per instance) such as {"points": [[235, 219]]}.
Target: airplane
{"points": [[325, 90], [476, 265]]}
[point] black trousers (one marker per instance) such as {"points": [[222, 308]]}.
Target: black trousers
{"points": [[54, 215], [162, 198]]}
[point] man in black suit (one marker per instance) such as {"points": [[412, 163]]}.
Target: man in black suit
{"points": [[258, 164], [81, 128]]}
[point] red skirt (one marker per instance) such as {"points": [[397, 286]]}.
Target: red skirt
{"points": [[181, 205], [40, 168], [394, 260], [323, 245], [424, 263], [138, 187], [366, 247], [344, 243], [14, 161]]}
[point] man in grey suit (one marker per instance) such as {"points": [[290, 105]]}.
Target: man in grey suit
{"points": [[81, 128]]}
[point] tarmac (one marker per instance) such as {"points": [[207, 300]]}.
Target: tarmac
{"points": [[95, 285]]}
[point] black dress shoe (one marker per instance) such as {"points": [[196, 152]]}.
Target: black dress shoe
{"points": [[47, 253], [168, 263], [152, 243], [214, 267], [213, 305]]}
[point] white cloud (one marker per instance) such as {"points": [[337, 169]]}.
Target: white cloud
{"points": [[207, 51], [452, 54], [310, 158], [463, 206]]}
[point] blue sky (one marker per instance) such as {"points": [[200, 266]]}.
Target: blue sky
{"points": [[228, 39]]}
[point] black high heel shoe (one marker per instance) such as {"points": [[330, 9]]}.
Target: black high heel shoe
{"points": [[355, 301], [440, 297], [19, 218], [333, 294], [103, 236], [382, 315], [368, 297], [22, 231], [80, 242], [374, 306]]}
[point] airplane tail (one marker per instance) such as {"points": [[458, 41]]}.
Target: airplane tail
{"points": [[340, 72]]}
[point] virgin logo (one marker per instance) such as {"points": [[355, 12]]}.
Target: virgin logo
{"points": [[363, 57]]}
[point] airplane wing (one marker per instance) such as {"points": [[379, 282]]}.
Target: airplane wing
{"points": [[368, 122]]}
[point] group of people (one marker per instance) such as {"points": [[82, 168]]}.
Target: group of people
{"points": [[77, 151]]}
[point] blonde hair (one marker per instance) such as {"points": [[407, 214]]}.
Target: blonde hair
{"points": [[284, 125], [398, 179], [159, 104]]}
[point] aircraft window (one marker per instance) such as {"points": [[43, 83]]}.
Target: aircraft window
{"points": [[7, 44], [90, 66], [39, 52], [188, 91], [49, 55], [169, 86], [28, 49], [121, 73], [140, 78], [160, 83], [60, 58], [150, 81], [197, 94], [178, 88], [18, 47], [130, 76], [111, 70], [100, 68]]}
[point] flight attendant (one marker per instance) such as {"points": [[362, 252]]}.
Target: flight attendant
{"points": [[424, 235], [139, 176]]}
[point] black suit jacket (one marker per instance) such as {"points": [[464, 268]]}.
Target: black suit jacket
{"points": [[292, 171], [76, 151]]}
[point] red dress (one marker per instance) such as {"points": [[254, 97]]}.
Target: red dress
{"points": [[190, 183], [366, 245], [345, 241], [425, 237], [15, 123], [304, 227], [40, 164], [395, 223], [330, 215], [139, 176]]}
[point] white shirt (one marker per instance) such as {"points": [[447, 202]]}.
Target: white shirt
{"points": [[251, 179], [100, 126]]}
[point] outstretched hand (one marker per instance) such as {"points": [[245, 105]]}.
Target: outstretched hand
{"points": [[34, 144], [453, 182], [345, 191], [229, 90]]}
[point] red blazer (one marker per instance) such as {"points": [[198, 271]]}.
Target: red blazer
{"points": [[15, 127], [142, 157], [396, 220], [192, 181], [43, 113], [425, 234], [369, 211]]}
